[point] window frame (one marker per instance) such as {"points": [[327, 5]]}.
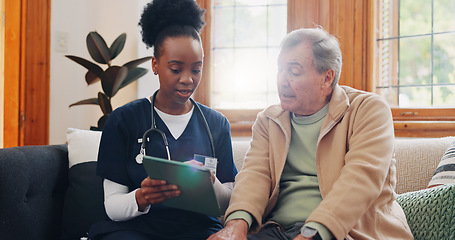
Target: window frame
{"points": [[415, 122], [354, 23]]}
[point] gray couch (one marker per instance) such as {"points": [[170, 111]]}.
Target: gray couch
{"points": [[38, 200], [41, 199]]}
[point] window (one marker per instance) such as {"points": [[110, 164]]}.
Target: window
{"points": [[416, 61], [350, 21], [373, 51], [245, 45], [417, 53], [241, 44]]}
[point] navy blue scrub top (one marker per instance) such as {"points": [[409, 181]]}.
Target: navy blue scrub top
{"points": [[119, 147], [119, 144]]}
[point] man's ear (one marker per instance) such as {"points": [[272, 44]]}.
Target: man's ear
{"points": [[329, 77]]}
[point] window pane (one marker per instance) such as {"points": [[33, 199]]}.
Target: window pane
{"points": [[444, 58], [415, 17], [251, 2], [223, 27], [250, 26], [246, 81], [244, 51], [390, 94], [276, 25], [218, 3], [415, 61], [444, 96], [223, 62], [444, 18], [415, 96]]}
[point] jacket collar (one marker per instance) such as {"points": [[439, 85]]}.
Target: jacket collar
{"points": [[338, 106], [339, 103]]}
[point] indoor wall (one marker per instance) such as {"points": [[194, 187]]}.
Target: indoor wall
{"points": [[71, 21]]}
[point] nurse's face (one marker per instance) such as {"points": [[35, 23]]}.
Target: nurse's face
{"points": [[180, 70]]}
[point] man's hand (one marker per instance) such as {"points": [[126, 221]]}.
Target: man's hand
{"points": [[236, 229], [301, 237]]}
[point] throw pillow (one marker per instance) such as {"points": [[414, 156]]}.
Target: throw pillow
{"points": [[445, 172], [430, 212], [82, 145], [84, 197]]}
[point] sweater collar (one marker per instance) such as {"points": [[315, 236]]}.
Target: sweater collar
{"points": [[338, 105]]}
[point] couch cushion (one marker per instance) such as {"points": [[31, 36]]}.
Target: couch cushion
{"points": [[33, 181], [417, 159], [240, 148], [445, 172], [430, 212], [84, 199]]}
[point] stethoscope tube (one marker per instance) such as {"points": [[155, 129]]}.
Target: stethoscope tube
{"points": [[153, 129]]}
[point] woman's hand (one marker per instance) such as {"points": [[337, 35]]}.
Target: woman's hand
{"points": [[197, 163], [154, 191]]}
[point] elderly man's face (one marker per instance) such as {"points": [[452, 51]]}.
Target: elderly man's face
{"points": [[302, 90]]}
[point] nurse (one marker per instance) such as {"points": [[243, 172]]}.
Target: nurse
{"points": [[132, 199]]}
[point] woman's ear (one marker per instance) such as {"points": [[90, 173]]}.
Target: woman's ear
{"points": [[155, 65]]}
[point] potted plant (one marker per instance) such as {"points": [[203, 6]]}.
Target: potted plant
{"points": [[113, 78]]}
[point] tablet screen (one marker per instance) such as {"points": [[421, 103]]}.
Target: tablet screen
{"points": [[195, 182]]}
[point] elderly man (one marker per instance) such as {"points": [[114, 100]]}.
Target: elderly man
{"points": [[320, 164]]}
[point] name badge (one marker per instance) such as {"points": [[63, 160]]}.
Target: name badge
{"points": [[209, 162]]}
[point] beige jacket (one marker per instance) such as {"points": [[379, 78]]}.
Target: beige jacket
{"points": [[356, 170]]}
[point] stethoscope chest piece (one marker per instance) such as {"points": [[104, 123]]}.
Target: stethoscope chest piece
{"points": [[140, 156]]}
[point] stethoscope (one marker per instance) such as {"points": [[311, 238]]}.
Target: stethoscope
{"points": [[154, 129]]}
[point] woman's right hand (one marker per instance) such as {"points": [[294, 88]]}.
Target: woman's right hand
{"points": [[154, 191]]}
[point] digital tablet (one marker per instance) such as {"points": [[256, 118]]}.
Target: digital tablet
{"points": [[195, 183]]}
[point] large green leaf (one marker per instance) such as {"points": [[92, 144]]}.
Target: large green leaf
{"points": [[133, 75], [132, 64], [95, 69], [86, 101], [105, 103], [117, 45], [113, 79], [97, 48]]}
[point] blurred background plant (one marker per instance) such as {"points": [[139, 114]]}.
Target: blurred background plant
{"points": [[113, 78]]}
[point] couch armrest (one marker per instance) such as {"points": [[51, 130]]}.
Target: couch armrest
{"points": [[33, 181]]}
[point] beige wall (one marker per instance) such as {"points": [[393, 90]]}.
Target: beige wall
{"points": [[71, 21]]}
